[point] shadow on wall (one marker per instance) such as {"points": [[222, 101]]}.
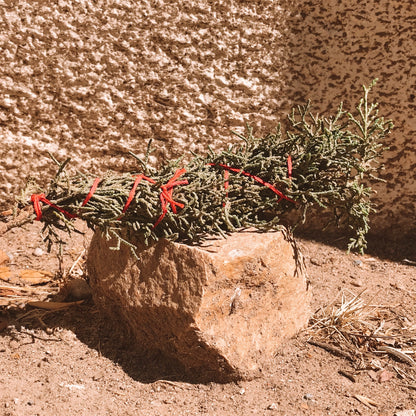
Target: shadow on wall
{"points": [[336, 48]]}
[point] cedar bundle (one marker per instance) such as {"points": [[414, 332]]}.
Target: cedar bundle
{"points": [[325, 162]]}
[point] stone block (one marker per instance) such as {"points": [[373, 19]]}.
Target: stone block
{"points": [[222, 308]]}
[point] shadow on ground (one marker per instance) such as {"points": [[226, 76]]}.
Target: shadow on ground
{"points": [[109, 340], [400, 249]]}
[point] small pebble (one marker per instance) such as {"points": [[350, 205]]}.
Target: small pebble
{"points": [[272, 406], [358, 263], [405, 413], [308, 396], [38, 252], [316, 261], [78, 289], [14, 345]]}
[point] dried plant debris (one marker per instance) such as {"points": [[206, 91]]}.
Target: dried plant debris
{"points": [[359, 330], [19, 296], [323, 162]]}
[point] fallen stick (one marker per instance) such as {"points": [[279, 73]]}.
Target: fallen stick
{"points": [[331, 349], [25, 216], [397, 354]]}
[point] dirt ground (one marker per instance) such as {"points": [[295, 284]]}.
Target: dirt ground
{"points": [[72, 361]]}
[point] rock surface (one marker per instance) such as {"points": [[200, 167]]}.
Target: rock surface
{"points": [[4, 258], [221, 309]]}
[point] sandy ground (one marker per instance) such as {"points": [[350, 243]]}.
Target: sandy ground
{"points": [[75, 362]]}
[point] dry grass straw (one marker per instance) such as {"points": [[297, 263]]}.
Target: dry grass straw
{"points": [[358, 329], [12, 296]]}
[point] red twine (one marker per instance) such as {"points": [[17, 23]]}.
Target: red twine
{"points": [[92, 190], [257, 179], [226, 183], [38, 198], [166, 196], [133, 190], [289, 167]]}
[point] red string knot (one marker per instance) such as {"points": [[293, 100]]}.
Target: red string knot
{"points": [[166, 196], [38, 198]]}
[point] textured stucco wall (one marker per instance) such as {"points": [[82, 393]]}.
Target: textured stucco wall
{"points": [[337, 47], [94, 79]]}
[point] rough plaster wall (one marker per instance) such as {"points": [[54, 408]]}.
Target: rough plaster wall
{"points": [[94, 79]]}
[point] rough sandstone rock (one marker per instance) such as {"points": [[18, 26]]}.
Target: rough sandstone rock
{"points": [[222, 309], [4, 258]]}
